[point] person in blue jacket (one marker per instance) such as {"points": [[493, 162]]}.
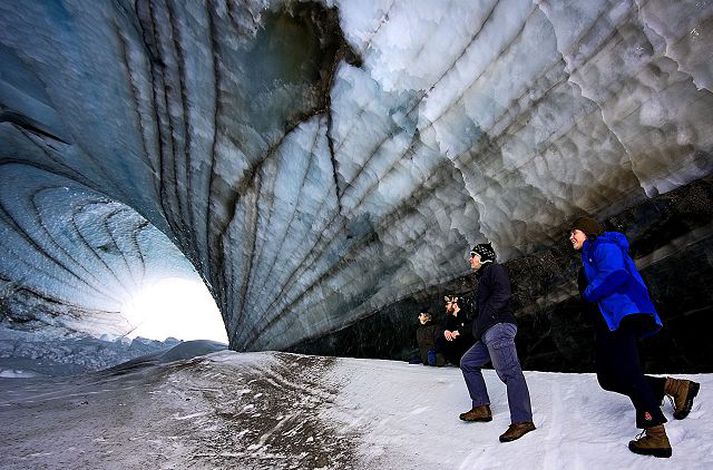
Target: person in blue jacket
{"points": [[625, 313]]}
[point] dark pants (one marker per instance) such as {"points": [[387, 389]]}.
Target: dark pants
{"points": [[452, 350], [619, 369], [498, 346]]}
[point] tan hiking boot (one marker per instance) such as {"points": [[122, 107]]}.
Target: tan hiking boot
{"points": [[682, 392], [652, 441], [516, 431], [479, 414]]}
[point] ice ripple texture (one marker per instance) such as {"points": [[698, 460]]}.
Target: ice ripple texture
{"points": [[317, 162]]}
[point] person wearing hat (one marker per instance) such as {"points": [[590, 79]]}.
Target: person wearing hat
{"points": [[455, 337], [494, 330], [610, 282]]}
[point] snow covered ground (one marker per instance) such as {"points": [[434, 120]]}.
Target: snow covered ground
{"points": [[276, 410], [55, 352]]}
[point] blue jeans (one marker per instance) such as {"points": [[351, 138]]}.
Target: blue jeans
{"points": [[497, 345]]}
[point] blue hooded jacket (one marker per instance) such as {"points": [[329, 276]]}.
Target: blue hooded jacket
{"points": [[613, 281]]}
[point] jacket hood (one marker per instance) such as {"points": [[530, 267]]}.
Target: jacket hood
{"points": [[617, 238]]}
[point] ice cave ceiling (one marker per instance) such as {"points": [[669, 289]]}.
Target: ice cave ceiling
{"points": [[318, 162]]}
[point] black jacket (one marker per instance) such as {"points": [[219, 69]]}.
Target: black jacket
{"points": [[492, 299], [462, 322], [453, 350]]}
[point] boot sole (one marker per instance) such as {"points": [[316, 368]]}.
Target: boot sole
{"points": [[692, 392], [661, 453]]}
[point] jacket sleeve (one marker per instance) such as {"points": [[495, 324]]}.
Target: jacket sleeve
{"points": [[446, 325], [467, 329], [500, 292], [611, 272]]}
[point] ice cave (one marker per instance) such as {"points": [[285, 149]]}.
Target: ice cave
{"points": [[324, 167], [295, 181]]}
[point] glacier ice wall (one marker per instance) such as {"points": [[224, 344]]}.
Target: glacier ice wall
{"points": [[317, 162], [73, 258]]}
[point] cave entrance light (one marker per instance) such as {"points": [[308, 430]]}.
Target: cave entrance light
{"points": [[175, 307]]}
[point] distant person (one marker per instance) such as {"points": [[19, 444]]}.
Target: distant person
{"points": [[426, 336], [611, 285], [494, 330], [456, 336]]}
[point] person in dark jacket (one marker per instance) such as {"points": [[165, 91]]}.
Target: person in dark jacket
{"points": [[426, 335], [455, 337], [494, 329], [623, 313]]}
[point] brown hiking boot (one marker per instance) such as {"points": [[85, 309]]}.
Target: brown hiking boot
{"points": [[652, 441], [516, 431], [682, 392], [479, 414]]}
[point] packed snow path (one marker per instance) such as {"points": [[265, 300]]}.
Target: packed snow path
{"points": [[275, 410]]}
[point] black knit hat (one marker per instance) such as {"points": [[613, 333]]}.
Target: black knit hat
{"points": [[485, 250], [589, 226]]}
